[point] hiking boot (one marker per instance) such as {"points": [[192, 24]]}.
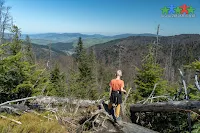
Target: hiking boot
{"points": [[110, 111], [118, 119]]}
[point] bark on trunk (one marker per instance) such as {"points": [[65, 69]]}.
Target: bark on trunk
{"points": [[134, 128], [59, 100], [167, 106]]}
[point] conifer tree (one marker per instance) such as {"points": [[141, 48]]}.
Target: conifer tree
{"points": [[93, 82], [79, 49], [57, 85], [15, 46], [85, 66], [17, 78], [149, 74], [74, 86], [29, 50], [13, 70]]}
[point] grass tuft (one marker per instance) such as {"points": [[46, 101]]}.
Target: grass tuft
{"points": [[31, 123]]}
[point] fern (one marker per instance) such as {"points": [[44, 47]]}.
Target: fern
{"points": [[196, 127]]}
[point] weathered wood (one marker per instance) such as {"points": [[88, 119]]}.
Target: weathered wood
{"points": [[63, 100], [166, 106], [18, 100], [126, 127], [18, 122], [134, 128], [151, 94], [122, 126], [124, 102], [14, 108]]}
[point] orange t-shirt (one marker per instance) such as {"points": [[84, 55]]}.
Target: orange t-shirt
{"points": [[116, 84]]}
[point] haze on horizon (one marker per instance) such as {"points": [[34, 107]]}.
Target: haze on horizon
{"points": [[101, 16]]}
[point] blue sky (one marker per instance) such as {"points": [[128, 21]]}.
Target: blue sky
{"points": [[106, 17]]}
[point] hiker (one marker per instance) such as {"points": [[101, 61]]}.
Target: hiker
{"points": [[116, 89]]}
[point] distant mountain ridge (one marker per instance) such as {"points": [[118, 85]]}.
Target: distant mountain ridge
{"points": [[47, 38], [53, 36]]}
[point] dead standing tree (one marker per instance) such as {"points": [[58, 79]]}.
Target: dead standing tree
{"points": [[5, 20], [157, 42]]}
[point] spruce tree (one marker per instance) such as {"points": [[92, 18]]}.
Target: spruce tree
{"points": [[93, 82], [29, 50], [79, 49], [16, 46], [149, 74], [14, 71], [85, 67], [74, 86], [57, 85], [17, 78]]}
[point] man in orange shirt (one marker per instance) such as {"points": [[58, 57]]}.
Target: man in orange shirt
{"points": [[116, 89]]}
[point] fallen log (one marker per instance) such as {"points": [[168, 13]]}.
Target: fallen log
{"points": [[105, 123], [171, 106], [18, 100], [98, 119], [122, 126], [55, 100], [134, 128], [126, 127], [14, 108], [63, 100]]}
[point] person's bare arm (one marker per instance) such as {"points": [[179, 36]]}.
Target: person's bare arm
{"points": [[122, 88], [110, 91], [110, 88]]}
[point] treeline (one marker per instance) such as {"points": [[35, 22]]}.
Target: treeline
{"points": [[150, 81], [88, 78], [84, 76], [21, 76]]}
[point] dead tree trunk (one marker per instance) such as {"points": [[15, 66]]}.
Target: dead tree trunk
{"points": [[167, 106]]}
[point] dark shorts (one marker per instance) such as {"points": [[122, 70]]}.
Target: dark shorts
{"points": [[116, 97]]}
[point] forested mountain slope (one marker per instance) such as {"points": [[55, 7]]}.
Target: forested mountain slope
{"points": [[173, 51]]}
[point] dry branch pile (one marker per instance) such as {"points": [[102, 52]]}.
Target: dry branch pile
{"points": [[76, 115]]}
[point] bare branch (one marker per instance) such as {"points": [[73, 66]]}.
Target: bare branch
{"points": [[18, 100], [151, 93], [18, 122]]}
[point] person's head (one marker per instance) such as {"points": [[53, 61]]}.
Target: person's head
{"points": [[119, 73]]}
